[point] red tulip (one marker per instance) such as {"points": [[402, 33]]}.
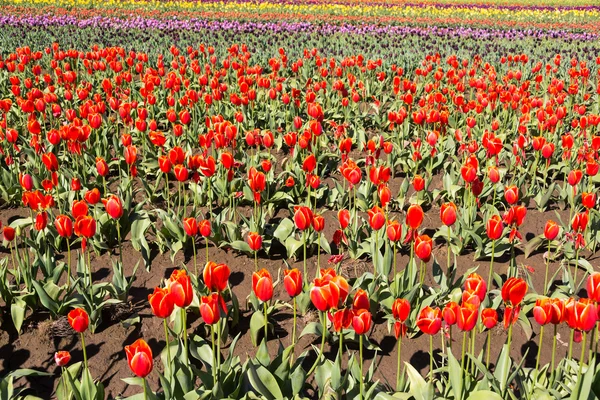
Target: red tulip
{"points": [[580, 221], [593, 287], [309, 164], [450, 313], [92, 197], [318, 223], [493, 174], [394, 231], [344, 218], [329, 291], [361, 322], [557, 314], [101, 166], [113, 207], [303, 217], [85, 226], [211, 307], [181, 173], [361, 300], [423, 244], [551, 230], [204, 228], [216, 276], [574, 177], [79, 320], [75, 184], [448, 213], [494, 227], [418, 183], [292, 281], [62, 358], [489, 317], [469, 169], [401, 309], [414, 216], [376, 218], [511, 194], [79, 208], [164, 164], [262, 284], [542, 312], [139, 358], [9, 233], [476, 285], [180, 288], [467, 317], [254, 241], [341, 319], [161, 302], [385, 195], [582, 314], [588, 200], [190, 226], [429, 320], [513, 291], [64, 226]]}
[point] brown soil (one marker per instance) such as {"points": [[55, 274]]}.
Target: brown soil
{"points": [[41, 337]]}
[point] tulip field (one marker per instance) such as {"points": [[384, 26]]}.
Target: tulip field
{"points": [[299, 199]]}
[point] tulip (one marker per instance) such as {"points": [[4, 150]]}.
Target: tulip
{"points": [[113, 207], [400, 312], [216, 276], [376, 221], [513, 291], [210, 308], [394, 234], [588, 200], [466, 317], [448, 213], [551, 230], [361, 322], [180, 288], [430, 322], [292, 281], [255, 243], [92, 197], [401, 309], [161, 302], [450, 312], [303, 217], [79, 320], [423, 245], [361, 300], [593, 287], [344, 218], [511, 194], [9, 233], [62, 358], [341, 319], [190, 226], [79, 208], [414, 216], [318, 224], [139, 359], [494, 228], [64, 227], [476, 285], [489, 319], [262, 285]]}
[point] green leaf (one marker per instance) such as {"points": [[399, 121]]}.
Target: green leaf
{"points": [[284, 230], [419, 389], [503, 367], [17, 312], [257, 323], [264, 382], [44, 298], [484, 395], [455, 374], [240, 245]]}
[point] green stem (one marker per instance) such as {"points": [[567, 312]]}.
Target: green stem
{"points": [[399, 363], [294, 327], [324, 333], [195, 257], [537, 361], [218, 355], [167, 191], [167, 344], [449, 248], [394, 245], [430, 358], [206, 240], [68, 264], [184, 333], [304, 258], [576, 269], [546, 275], [579, 383], [422, 272], [376, 254], [318, 252], [266, 321], [256, 261], [145, 390], [85, 362], [89, 265], [462, 359], [362, 377], [487, 353], [491, 273], [571, 344], [214, 365], [553, 349], [119, 240]]}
